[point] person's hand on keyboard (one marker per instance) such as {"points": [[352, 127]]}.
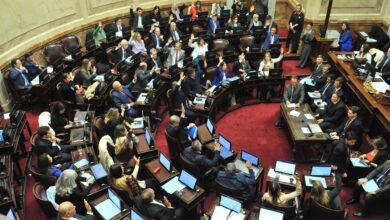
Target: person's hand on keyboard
{"points": [[248, 165]]}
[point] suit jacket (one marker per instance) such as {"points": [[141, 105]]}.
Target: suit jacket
{"points": [[32, 69], [240, 182], [179, 132], [79, 217], [384, 68], [296, 97], [77, 198], [245, 66], [201, 160], [191, 86], [317, 72], [334, 113], [142, 80], [326, 92], [271, 25], [135, 18], [154, 211], [384, 190], [320, 81], [340, 156], [355, 126], [170, 33], [45, 146], [151, 63], [171, 53], [268, 39], [122, 99], [120, 53], [68, 91], [153, 41], [211, 26], [18, 80]]}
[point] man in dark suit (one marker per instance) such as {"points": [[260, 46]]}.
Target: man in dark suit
{"points": [[48, 143], [121, 52], [138, 19], [294, 93], [67, 89], [173, 32], [178, 127], [338, 86], [213, 24], [272, 38], [241, 66], [333, 114], [194, 154], [351, 123], [328, 89], [32, 67], [118, 28], [156, 39], [381, 175], [154, 61], [159, 210], [192, 86], [19, 77], [141, 77], [340, 156], [321, 79], [122, 97], [238, 181], [384, 67], [66, 210], [316, 74]]}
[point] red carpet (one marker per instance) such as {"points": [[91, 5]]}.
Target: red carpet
{"points": [[290, 69]]}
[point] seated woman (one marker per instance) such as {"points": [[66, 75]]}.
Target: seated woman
{"points": [[378, 155], [364, 52], [45, 166], [67, 189], [277, 197], [87, 74], [59, 122], [232, 23], [124, 148], [269, 63], [136, 43], [328, 199], [125, 181], [345, 40], [112, 118], [200, 47]]}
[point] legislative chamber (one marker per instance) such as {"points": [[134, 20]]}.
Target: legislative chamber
{"points": [[195, 110]]}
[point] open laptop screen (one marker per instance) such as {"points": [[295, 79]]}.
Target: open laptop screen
{"points": [[285, 167], [192, 132], [147, 136], [114, 199], [210, 126], [165, 162], [98, 171], [135, 216], [11, 215], [325, 170], [267, 214], [187, 179], [245, 156], [230, 203], [224, 142]]}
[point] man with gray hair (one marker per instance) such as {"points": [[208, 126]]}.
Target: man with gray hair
{"points": [[123, 98], [121, 51], [238, 180], [66, 210], [178, 126]]}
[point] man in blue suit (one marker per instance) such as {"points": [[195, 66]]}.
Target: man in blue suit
{"points": [[123, 97], [213, 24], [31, 66], [272, 38], [194, 154], [19, 77], [239, 181], [156, 39]]}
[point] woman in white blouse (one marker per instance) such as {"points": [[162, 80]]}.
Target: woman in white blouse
{"points": [[269, 63], [200, 47], [365, 53]]}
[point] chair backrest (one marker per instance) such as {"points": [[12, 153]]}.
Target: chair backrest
{"points": [[39, 192], [89, 41], [99, 126], [44, 179], [71, 43], [54, 52], [111, 56], [126, 195], [174, 146], [320, 212], [289, 211], [196, 29], [191, 167], [220, 44], [171, 108], [220, 188], [246, 41], [33, 141], [78, 80]]}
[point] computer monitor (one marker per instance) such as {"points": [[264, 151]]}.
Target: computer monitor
{"points": [[135, 216], [11, 215], [225, 14], [147, 136], [114, 198], [224, 142], [225, 153], [267, 214], [187, 179], [275, 72], [220, 31], [210, 126], [98, 171], [230, 203], [321, 170], [285, 167], [245, 156], [165, 162], [109, 207]]}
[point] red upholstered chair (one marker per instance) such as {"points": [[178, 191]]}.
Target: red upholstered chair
{"points": [[54, 52], [320, 212], [40, 195], [220, 44]]}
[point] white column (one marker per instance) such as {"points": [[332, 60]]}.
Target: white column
{"points": [[5, 100], [271, 8], [229, 4]]}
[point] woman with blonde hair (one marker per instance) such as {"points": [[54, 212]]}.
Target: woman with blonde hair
{"points": [[124, 148], [113, 118], [136, 43], [87, 74], [269, 63]]}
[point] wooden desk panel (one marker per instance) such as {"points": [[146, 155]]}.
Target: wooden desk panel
{"points": [[189, 199], [163, 175]]}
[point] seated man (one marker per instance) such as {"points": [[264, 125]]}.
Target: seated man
{"points": [[192, 86], [254, 22], [48, 143], [272, 38], [19, 77], [340, 155], [238, 181], [123, 97], [352, 123], [173, 32], [325, 93], [178, 126], [317, 72], [32, 67], [338, 86], [333, 115], [67, 89], [213, 24], [154, 61], [118, 28], [384, 67], [381, 175], [66, 210], [194, 154], [141, 77], [320, 81], [159, 210], [242, 66], [175, 55], [121, 53], [156, 39]]}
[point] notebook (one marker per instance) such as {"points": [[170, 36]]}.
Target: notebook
{"points": [[285, 167]]}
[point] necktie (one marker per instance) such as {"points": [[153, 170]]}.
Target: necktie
{"points": [[26, 82], [292, 93], [326, 87], [176, 57], [387, 60], [215, 26], [346, 125], [382, 178], [157, 42], [272, 39], [123, 54]]}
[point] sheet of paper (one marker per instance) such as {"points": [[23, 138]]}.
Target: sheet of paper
{"points": [[118, 34], [356, 162], [99, 78], [173, 185], [6, 116], [371, 186], [69, 57], [291, 105], [307, 80], [220, 213], [380, 86], [236, 216], [309, 116], [364, 34], [295, 113], [314, 95], [370, 40], [305, 130], [35, 81]]}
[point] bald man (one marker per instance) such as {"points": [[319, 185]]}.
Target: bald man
{"points": [[122, 96], [67, 210]]}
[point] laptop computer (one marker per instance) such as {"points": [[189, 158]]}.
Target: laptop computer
{"points": [[285, 167], [98, 171], [226, 147], [321, 170], [225, 14], [165, 162], [80, 116], [110, 207], [81, 163], [276, 72], [267, 214], [230, 203], [188, 180], [310, 179], [147, 136], [205, 132], [11, 215], [76, 134], [245, 156], [135, 215], [210, 126], [192, 132]]}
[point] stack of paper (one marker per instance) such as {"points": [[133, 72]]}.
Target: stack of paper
{"points": [[295, 113], [173, 185], [220, 213], [309, 117], [357, 162]]}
